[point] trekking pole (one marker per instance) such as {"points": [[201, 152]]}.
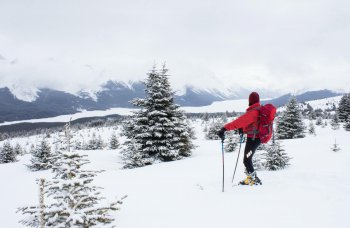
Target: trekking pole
{"points": [[240, 144], [223, 166]]}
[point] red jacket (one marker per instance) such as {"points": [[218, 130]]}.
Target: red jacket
{"points": [[248, 121]]}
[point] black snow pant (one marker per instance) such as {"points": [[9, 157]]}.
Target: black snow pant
{"points": [[249, 150]]}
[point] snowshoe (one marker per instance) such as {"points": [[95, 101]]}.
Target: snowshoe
{"points": [[251, 179]]}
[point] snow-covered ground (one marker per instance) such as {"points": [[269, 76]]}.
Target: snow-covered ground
{"points": [[324, 103], [313, 192]]}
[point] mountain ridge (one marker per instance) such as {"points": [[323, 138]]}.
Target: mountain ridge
{"points": [[112, 94]]}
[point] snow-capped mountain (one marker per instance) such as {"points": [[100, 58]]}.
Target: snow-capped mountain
{"points": [[303, 97], [24, 93], [18, 103]]}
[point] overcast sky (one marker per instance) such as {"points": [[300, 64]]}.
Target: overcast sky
{"points": [[286, 45]]}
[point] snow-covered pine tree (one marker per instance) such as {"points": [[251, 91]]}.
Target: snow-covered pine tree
{"points": [[335, 121], [186, 134], [231, 141], [134, 130], [78, 145], [7, 154], [275, 157], [213, 129], [74, 201], [319, 121], [335, 147], [312, 130], [32, 149], [113, 142], [18, 149], [95, 143], [290, 125], [158, 129], [344, 108], [42, 158], [205, 117], [347, 125], [259, 160], [100, 143]]}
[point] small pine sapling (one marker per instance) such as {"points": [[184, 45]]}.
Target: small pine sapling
{"points": [[335, 147], [113, 142], [276, 158], [312, 130]]}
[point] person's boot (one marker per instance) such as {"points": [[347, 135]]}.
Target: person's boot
{"points": [[256, 179], [251, 179]]}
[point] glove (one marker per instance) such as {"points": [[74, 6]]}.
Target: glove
{"points": [[221, 133], [240, 131]]}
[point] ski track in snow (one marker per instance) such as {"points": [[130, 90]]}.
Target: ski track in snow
{"points": [[313, 192]]}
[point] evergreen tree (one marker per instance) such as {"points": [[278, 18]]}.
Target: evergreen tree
{"points": [[344, 108], [335, 122], [158, 130], [231, 141], [205, 117], [7, 154], [214, 127], [259, 160], [275, 156], [324, 124], [95, 143], [32, 149], [134, 128], [312, 130], [335, 147], [319, 121], [42, 158], [290, 125], [113, 142], [347, 125], [73, 200], [100, 143], [18, 149], [78, 145]]}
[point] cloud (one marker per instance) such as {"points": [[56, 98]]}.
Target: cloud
{"points": [[280, 45]]}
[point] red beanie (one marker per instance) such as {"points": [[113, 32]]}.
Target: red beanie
{"points": [[254, 98]]}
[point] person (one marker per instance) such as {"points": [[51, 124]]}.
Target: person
{"points": [[247, 123]]}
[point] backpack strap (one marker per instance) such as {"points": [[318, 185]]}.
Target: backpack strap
{"points": [[255, 130]]}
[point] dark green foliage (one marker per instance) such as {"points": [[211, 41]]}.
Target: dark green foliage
{"points": [[290, 125], [159, 129], [42, 157], [312, 130], [95, 143], [344, 108], [72, 199], [7, 153], [113, 142], [231, 141], [213, 129], [275, 157]]}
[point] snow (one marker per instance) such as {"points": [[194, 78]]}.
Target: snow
{"points": [[24, 93], [313, 192], [324, 103]]}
